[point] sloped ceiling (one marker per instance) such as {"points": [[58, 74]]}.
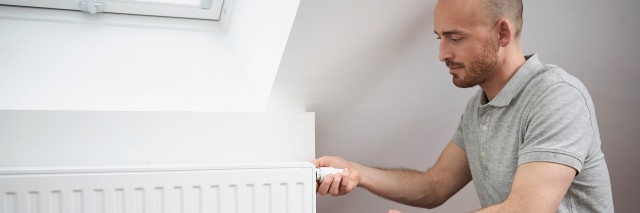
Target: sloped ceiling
{"points": [[369, 70]]}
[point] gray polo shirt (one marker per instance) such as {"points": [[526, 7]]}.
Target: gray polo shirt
{"points": [[541, 114]]}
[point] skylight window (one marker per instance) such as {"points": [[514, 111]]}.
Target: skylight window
{"points": [[192, 9]]}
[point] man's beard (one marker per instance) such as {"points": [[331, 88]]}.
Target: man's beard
{"points": [[479, 69]]}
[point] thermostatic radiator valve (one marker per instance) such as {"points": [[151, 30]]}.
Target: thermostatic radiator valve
{"points": [[324, 171]]}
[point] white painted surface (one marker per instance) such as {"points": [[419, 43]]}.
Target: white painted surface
{"points": [[259, 31], [48, 65], [284, 187], [100, 138], [97, 67]]}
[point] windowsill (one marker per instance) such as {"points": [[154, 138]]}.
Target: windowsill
{"points": [[54, 15]]}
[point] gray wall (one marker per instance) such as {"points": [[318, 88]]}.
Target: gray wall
{"points": [[369, 70]]}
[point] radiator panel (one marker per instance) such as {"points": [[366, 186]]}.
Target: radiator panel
{"points": [[246, 189]]}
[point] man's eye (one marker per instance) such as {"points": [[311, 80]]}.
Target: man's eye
{"points": [[438, 38], [456, 39]]}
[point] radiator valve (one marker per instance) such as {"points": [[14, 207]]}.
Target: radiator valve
{"points": [[324, 171]]}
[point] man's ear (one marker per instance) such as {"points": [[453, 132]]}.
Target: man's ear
{"points": [[505, 32]]}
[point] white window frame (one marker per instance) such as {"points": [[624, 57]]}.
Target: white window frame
{"points": [[76, 16], [207, 9]]}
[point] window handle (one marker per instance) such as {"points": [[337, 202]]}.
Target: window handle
{"points": [[91, 7]]}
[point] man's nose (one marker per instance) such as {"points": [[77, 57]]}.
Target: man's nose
{"points": [[445, 52]]}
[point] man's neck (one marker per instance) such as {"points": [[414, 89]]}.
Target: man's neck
{"points": [[510, 66]]}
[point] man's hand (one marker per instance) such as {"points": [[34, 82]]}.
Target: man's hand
{"points": [[427, 189], [393, 211], [338, 184]]}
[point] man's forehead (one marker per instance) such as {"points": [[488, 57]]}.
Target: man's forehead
{"points": [[453, 16], [469, 4]]}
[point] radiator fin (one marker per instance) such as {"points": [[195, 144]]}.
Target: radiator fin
{"points": [[32, 202], [10, 202], [279, 190], [98, 201]]}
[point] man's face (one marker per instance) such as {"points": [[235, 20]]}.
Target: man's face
{"points": [[466, 45]]}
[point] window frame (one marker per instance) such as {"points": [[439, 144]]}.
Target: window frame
{"points": [[129, 20], [208, 9]]}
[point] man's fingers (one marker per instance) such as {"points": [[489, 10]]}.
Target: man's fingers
{"points": [[325, 161], [339, 183], [323, 189], [335, 185], [346, 181]]}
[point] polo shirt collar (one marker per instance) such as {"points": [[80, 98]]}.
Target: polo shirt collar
{"points": [[517, 82]]}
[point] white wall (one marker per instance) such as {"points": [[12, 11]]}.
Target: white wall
{"points": [[98, 94], [70, 66], [92, 66], [259, 33], [369, 70], [597, 42], [97, 138]]}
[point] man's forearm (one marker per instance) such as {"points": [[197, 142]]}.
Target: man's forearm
{"points": [[406, 186]]}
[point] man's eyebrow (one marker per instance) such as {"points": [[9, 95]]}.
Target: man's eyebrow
{"points": [[448, 33]]}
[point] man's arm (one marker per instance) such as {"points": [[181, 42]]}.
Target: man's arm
{"points": [[424, 189], [537, 187]]}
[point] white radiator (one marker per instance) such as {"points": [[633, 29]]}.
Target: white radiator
{"points": [[273, 188]]}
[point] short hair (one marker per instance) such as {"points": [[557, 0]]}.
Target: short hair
{"points": [[509, 9]]}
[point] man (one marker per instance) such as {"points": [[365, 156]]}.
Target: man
{"points": [[528, 138]]}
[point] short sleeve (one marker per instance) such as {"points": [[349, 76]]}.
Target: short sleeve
{"points": [[458, 137], [559, 128]]}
